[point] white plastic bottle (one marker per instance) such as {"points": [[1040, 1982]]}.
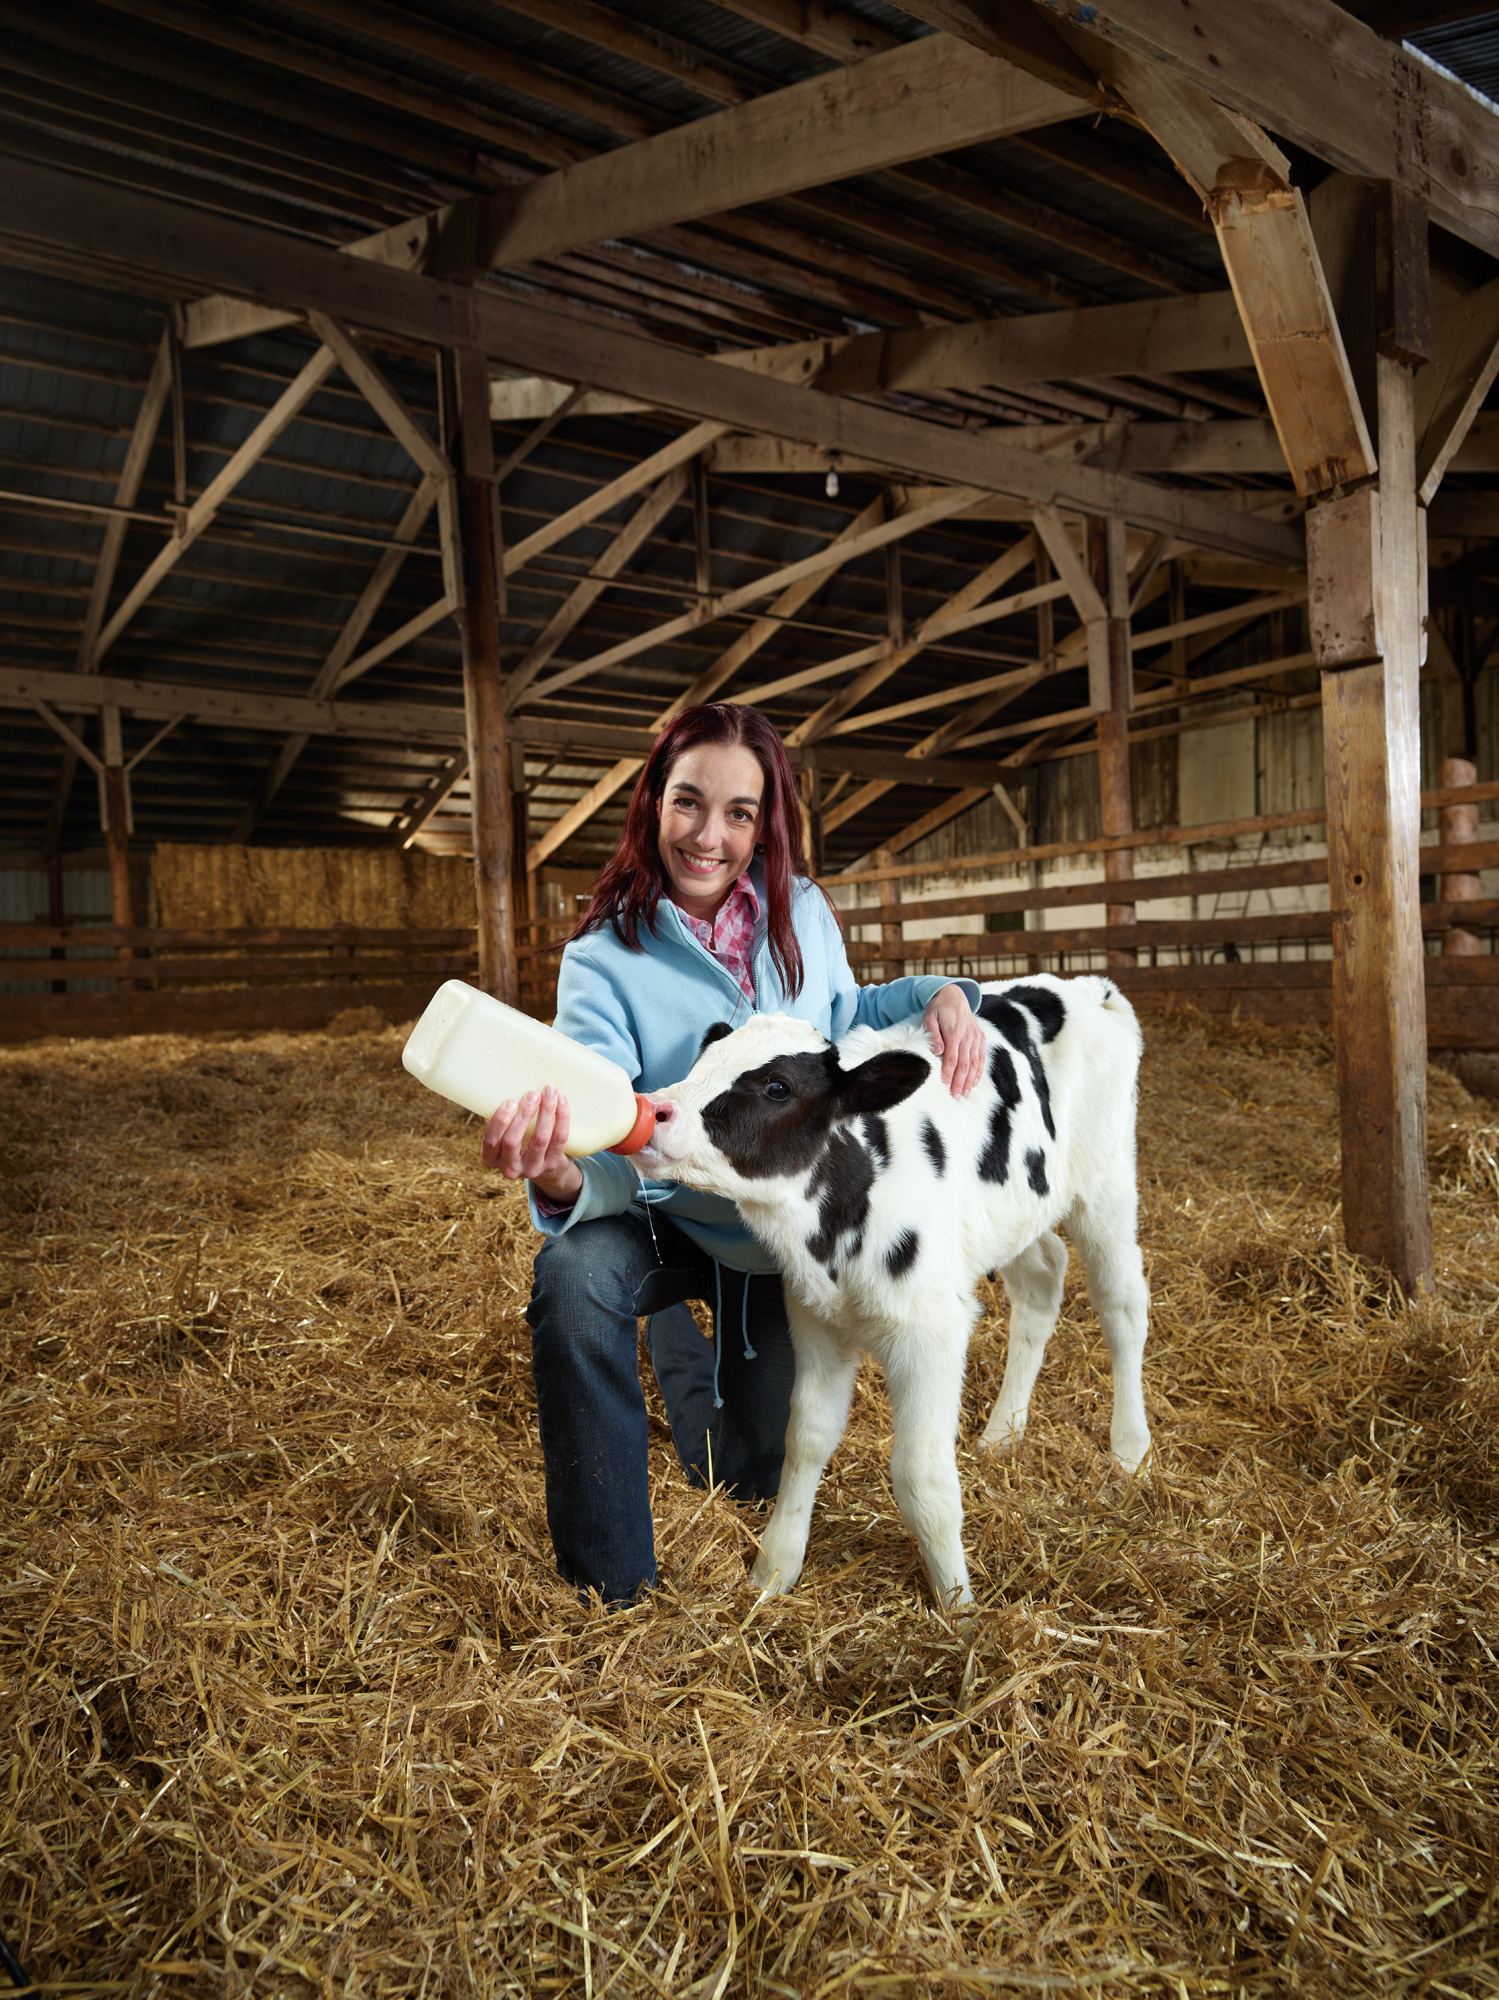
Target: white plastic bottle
{"points": [[477, 1052]]}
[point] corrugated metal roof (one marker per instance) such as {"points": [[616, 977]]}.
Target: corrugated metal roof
{"points": [[375, 124]]}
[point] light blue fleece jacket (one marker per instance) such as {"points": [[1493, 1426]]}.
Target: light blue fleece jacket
{"points": [[648, 1010]]}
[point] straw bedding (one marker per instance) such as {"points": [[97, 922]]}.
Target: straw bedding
{"points": [[297, 1706]]}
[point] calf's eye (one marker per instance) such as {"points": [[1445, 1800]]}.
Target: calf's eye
{"points": [[777, 1091]]}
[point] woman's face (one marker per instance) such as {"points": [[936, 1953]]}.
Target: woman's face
{"points": [[708, 824]]}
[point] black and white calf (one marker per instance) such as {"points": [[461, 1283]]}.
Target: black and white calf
{"points": [[884, 1199]]}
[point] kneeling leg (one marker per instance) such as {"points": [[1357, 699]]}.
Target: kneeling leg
{"points": [[1033, 1283]]}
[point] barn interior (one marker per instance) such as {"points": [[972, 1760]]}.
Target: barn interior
{"points": [[1075, 427]]}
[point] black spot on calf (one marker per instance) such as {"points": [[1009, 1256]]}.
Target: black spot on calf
{"points": [[902, 1253], [936, 1152], [1046, 1006], [840, 1186], [994, 1161], [877, 1138], [1013, 1025], [1035, 1170]]}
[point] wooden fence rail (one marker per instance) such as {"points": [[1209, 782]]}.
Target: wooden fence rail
{"points": [[188, 980]]}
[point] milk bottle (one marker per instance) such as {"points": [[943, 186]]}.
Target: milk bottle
{"points": [[477, 1052]]}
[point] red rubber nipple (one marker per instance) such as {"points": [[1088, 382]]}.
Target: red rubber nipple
{"points": [[640, 1132]]}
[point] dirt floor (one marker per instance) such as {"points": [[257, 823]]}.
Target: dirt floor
{"points": [[296, 1705]]}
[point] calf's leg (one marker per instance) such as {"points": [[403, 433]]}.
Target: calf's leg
{"points": [[1033, 1283], [1121, 1298], [825, 1372], [924, 1369]]}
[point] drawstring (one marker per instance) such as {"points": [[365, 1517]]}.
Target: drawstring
{"points": [[749, 1352], [718, 1333]]}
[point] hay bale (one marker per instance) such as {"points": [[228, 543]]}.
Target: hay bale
{"points": [[355, 1021], [298, 1706], [311, 888]]}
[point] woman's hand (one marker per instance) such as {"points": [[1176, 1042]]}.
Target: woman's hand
{"points": [[540, 1160], [957, 1037]]}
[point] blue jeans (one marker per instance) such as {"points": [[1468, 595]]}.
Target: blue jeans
{"points": [[591, 1287]]}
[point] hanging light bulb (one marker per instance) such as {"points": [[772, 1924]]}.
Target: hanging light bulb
{"points": [[831, 485]]}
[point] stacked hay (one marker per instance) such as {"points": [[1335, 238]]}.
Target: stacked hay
{"points": [[298, 1706], [382, 888]]}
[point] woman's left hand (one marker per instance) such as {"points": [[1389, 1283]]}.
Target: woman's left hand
{"points": [[957, 1037]]}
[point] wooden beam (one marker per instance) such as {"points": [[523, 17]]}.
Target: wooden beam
{"points": [[1106, 560], [43, 211], [939, 816], [913, 100], [1149, 337], [989, 579], [641, 525], [437, 723], [925, 96], [127, 491], [368, 378], [704, 688], [1260, 219], [607, 497], [854, 804], [931, 509], [1450, 389], [433, 798], [1309, 70], [470, 439], [291, 402]]}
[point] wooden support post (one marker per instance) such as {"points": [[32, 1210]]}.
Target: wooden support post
{"points": [[702, 531], [519, 833], [811, 789], [892, 932], [1109, 568], [114, 801], [471, 444], [1363, 567], [1459, 825]]}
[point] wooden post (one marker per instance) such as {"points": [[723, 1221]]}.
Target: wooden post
{"points": [[56, 909], [892, 932], [811, 795], [1459, 824], [1363, 566], [471, 446], [1106, 560], [114, 803]]}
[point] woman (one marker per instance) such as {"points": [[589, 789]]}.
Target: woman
{"points": [[704, 915]]}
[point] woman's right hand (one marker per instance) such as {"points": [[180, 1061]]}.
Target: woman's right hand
{"points": [[541, 1161]]}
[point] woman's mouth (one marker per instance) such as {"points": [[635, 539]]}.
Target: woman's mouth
{"points": [[699, 864]]}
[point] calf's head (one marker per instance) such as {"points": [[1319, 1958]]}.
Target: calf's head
{"points": [[761, 1102]]}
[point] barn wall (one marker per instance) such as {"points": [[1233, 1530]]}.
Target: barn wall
{"points": [[85, 900]]}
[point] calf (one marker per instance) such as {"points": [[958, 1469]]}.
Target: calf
{"points": [[884, 1198]]}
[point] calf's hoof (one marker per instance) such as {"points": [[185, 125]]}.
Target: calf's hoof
{"points": [[771, 1578], [1000, 1441]]}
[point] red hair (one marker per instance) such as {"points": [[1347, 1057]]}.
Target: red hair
{"points": [[634, 881]]}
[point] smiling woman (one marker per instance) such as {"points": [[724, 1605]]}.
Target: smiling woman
{"points": [[704, 917]]}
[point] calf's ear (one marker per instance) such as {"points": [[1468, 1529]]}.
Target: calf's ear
{"points": [[880, 1084], [715, 1034]]}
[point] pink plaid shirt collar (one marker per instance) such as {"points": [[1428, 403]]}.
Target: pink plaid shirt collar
{"points": [[730, 937]]}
